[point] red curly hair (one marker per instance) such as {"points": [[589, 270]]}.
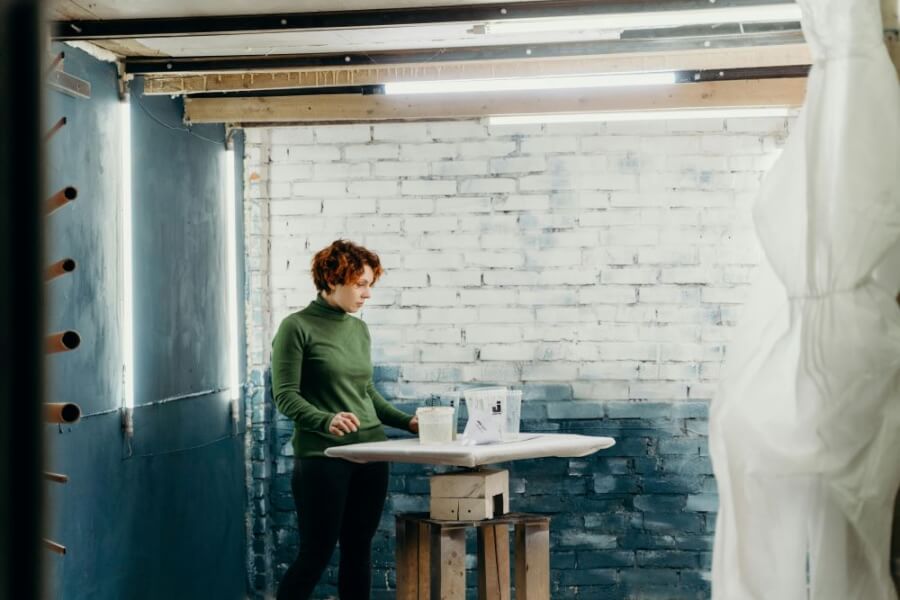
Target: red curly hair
{"points": [[342, 263]]}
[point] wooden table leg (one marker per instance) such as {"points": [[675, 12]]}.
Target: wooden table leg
{"points": [[407, 559], [493, 562], [448, 563], [533, 560]]}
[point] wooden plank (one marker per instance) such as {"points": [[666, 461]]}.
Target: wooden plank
{"points": [[320, 77], [448, 563], [407, 559], [788, 92], [533, 560], [493, 562], [423, 566]]}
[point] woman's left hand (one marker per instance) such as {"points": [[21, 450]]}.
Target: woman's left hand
{"points": [[414, 424]]}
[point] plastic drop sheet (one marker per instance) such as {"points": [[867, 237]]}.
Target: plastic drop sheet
{"points": [[805, 426]]}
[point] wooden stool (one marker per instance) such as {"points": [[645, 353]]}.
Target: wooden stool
{"points": [[431, 557]]}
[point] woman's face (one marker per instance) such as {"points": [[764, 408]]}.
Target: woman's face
{"points": [[352, 296]]}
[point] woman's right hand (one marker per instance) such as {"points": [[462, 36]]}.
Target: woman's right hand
{"points": [[343, 422]]}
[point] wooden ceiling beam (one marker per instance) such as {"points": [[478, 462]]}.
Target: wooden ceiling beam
{"points": [[335, 108], [728, 58]]}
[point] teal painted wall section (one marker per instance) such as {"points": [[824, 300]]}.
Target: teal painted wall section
{"points": [[163, 517]]}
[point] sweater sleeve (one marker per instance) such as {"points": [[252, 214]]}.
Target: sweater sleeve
{"points": [[287, 363], [387, 412]]}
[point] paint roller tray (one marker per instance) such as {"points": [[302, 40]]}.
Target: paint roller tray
{"points": [[459, 453]]}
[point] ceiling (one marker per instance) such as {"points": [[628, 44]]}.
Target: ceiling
{"points": [[323, 46]]}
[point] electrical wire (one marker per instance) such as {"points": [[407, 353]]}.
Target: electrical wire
{"points": [[188, 448], [174, 127]]}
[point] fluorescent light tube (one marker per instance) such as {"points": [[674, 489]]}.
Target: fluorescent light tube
{"points": [[231, 291], [529, 83], [771, 13], [127, 260], [647, 115]]}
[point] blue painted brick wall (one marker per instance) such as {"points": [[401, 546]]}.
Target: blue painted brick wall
{"points": [[634, 521]]}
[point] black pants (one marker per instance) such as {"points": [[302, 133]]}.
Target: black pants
{"points": [[336, 501]]}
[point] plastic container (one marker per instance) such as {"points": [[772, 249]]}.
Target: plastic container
{"points": [[513, 412], [435, 424], [491, 399], [451, 399]]}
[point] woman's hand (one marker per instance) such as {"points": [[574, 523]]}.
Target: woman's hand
{"points": [[343, 422], [414, 424]]}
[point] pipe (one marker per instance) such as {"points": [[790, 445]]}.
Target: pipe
{"points": [[54, 547], [59, 268], [61, 412], [57, 477], [55, 63], [61, 342], [61, 198], [56, 127]]}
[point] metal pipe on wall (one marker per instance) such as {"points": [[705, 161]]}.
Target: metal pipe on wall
{"points": [[61, 412], [59, 268], [61, 342], [61, 198]]}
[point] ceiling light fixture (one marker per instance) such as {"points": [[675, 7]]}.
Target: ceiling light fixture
{"points": [[529, 83], [647, 115], [770, 13]]}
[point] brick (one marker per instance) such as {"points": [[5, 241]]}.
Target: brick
{"points": [[401, 169], [456, 130], [583, 539], [428, 297], [480, 297], [667, 558], [454, 278], [291, 135], [475, 149], [371, 152], [448, 315], [399, 132], [476, 334], [702, 503], [487, 186], [372, 188], [530, 202], [495, 259], [427, 187], [523, 164], [454, 168], [343, 134], [428, 152], [406, 206], [608, 294], [575, 410], [318, 189]]}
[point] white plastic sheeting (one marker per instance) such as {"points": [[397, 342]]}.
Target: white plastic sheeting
{"points": [[805, 427], [460, 454]]}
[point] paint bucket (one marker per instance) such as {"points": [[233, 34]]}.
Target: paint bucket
{"points": [[435, 424]]}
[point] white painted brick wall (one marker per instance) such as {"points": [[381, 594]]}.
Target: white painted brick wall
{"points": [[614, 258]]}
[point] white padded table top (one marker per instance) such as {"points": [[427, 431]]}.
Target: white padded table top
{"points": [[459, 454]]}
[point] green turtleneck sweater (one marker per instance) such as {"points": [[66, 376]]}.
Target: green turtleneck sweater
{"points": [[321, 365]]}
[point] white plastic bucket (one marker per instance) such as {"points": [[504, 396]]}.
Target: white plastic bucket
{"points": [[435, 424]]}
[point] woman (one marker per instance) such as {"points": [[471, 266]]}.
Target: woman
{"points": [[322, 380]]}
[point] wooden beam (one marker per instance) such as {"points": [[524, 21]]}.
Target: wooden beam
{"points": [[728, 58], [331, 108]]}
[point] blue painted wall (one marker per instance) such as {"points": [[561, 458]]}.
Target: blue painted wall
{"points": [[165, 517], [632, 522]]}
